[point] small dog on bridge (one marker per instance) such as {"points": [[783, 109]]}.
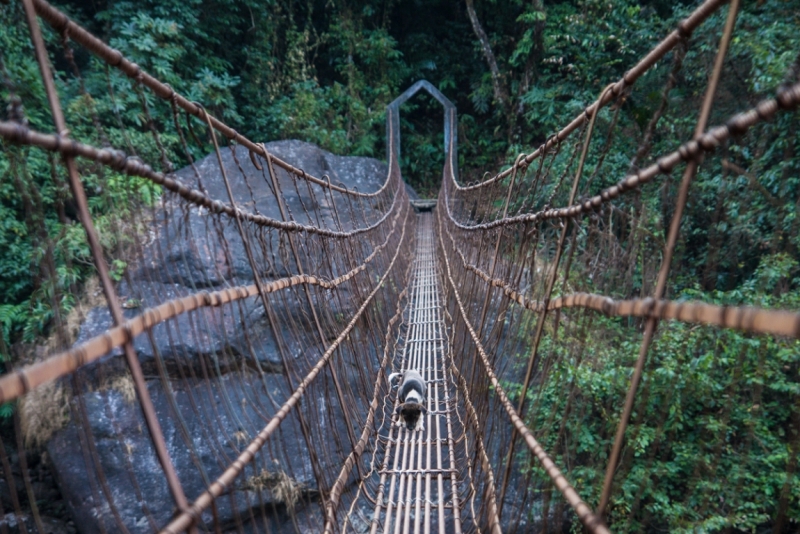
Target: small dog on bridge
{"points": [[412, 399]]}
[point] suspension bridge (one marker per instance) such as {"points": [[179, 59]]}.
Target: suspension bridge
{"points": [[239, 383]]}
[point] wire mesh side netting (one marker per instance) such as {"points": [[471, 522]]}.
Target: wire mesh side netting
{"points": [[241, 291], [616, 383]]}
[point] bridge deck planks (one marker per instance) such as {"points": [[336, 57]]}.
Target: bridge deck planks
{"points": [[418, 487]]}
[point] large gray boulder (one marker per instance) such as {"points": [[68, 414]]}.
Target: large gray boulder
{"points": [[206, 367], [186, 256], [199, 451]]}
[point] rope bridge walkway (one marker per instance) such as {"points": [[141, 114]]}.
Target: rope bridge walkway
{"points": [[235, 377], [415, 475]]}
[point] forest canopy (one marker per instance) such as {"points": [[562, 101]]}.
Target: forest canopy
{"points": [[323, 71]]}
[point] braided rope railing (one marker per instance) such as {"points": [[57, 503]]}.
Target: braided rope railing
{"points": [[33, 376], [185, 520], [513, 263], [118, 160], [681, 33], [506, 262], [486, 464], [358, 450], [335, 254], [786, 100], [114, 58], [746, 319], [585, 514]]}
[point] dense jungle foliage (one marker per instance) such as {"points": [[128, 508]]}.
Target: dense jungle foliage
{"points": [[323, 71]]}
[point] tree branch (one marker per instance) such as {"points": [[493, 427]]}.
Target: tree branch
{"points": [[753, 182]]}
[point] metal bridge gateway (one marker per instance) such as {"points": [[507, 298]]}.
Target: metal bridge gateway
{"points": [[238, 380]]}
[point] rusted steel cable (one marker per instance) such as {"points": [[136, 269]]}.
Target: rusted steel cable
{"points": [[647, 139], [118, 161], [590, 520], [13, 385], [551, 282], [518, 269], [498, 240], [61, 23], [786, 100], [494, 527], [249, 251], [744, 318], [355, 454], [185, 519], [669, 250], [299, 267], [683, 31]]}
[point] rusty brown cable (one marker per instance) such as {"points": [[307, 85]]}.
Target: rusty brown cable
{"points": [[117, 160], [355, 454], [682, 32], [307, 291], [785, 100], [688, 175], [532, 361], [145, 402], [744, 318], [481, 449], [61, 23], [184, 519], [13, 385]]}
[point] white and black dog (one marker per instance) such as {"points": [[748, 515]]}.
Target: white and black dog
{"points": [[412, 399]]}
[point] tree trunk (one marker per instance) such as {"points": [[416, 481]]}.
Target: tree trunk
{"points": [[500, 92]]}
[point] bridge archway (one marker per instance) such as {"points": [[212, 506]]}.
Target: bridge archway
{"points": [[393, 123]]}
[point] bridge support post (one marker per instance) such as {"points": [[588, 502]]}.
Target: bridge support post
{"points": [[276, 189]]}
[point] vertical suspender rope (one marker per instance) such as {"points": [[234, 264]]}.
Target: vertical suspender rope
{"points": [[683, 192], [145, 402], [550, 285]]}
